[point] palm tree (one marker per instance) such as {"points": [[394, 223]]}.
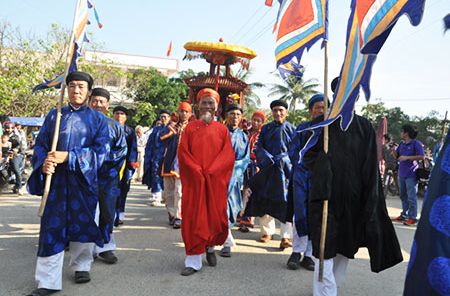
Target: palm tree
{"points": [[252, 100], [294, 90]]}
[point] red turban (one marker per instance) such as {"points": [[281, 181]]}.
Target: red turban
{"points": [[185, 106], [208, 92], [260, 114]]}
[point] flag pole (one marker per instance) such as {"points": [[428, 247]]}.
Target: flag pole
{"points": [[48, 178], [323, 232]]}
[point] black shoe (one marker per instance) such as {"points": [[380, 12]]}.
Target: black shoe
{"points": [[42, 292], [211, 258], [307, 263], [294, 261], [108, 257], [82, 277], [188, 271]]}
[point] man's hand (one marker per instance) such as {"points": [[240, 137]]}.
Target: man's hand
{"points": [[58, 156], [48, 168]]}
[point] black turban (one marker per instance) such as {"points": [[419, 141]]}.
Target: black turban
{"points": [[278, 103], [101, 92], [234, 107], [164, 111], [334, 84], [80, 76], [121, 108]]}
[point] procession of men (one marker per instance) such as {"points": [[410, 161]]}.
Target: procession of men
{"points": [[211, 177]]}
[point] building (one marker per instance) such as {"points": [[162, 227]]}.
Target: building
{"points": [[126, 63]]}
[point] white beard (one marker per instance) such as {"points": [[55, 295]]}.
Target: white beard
{"points": [[206, 118]]}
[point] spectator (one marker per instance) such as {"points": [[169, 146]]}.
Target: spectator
{"points": [[22, 135], [141, 143], [3, 119], [17, 155], [408, 153], [6, 145], [389, 159]]}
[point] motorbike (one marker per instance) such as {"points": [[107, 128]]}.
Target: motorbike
{"points": [[422, 182]]}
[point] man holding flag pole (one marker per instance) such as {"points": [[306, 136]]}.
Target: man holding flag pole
{"points": [[65, 172], [351, 138]]}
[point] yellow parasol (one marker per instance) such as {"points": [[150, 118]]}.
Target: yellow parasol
{"points": [[234, 50]]}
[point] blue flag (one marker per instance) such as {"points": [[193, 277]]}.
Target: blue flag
{"points": [[447, 22], [369, 25], [291, 68], [76, 46]]}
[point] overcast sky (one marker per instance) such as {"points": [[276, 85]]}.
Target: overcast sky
{"points": [[412, 70]]}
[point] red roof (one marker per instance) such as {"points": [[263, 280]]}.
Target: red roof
{"points": [[225, 83]]}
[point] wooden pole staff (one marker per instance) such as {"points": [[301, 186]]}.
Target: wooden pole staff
{"points": [[443, 130], [48, 178], [323, 232]]}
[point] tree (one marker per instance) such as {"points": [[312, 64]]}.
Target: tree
{"points": [[430, 126], [294, 90], [252, 100], [149, 86]]}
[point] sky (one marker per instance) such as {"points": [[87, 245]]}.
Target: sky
{"points": [[412, 70]]}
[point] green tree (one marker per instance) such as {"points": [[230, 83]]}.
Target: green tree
{"points": [[252, 100], [294, 90], [148, 85]]}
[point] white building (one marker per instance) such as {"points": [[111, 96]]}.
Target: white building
{"points": [[127, 63]]}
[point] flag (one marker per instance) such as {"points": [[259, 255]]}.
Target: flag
{"points": [[447, 22], [369, 25], [76, 45], [300, 24], [169, 49], [269, 2], [91, 4], [291, 68]]}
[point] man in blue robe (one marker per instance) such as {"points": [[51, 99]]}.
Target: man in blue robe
{"points": [[301, 185], [154, 152], [241, 149], [120, 114], [270, 185], [429, 266], [69, 213], [108, 176], [170, 171]]}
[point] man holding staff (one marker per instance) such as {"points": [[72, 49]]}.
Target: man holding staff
{"points": [[69, 213], [348, 177]]}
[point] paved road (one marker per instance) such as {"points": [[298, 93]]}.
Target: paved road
{"points": [[151, 256]]}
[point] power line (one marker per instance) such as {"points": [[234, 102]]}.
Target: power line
{"points": [[235, 35], [253, 25], [260, 34], [416, 100]]}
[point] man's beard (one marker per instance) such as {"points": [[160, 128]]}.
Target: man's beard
{"points": [[206, 117]]}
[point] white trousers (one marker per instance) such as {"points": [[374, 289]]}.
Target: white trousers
{"points": [[301, 244], [245, 196], [230, 240], [49, 269], [267, 225], [333, 275], [195, 261], [157, 196], [172, 196], [111, 246]]}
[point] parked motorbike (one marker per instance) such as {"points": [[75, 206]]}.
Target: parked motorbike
{"points": [[422, 182]]}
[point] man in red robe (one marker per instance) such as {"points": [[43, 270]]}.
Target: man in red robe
{"points": [[206, 160]]}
